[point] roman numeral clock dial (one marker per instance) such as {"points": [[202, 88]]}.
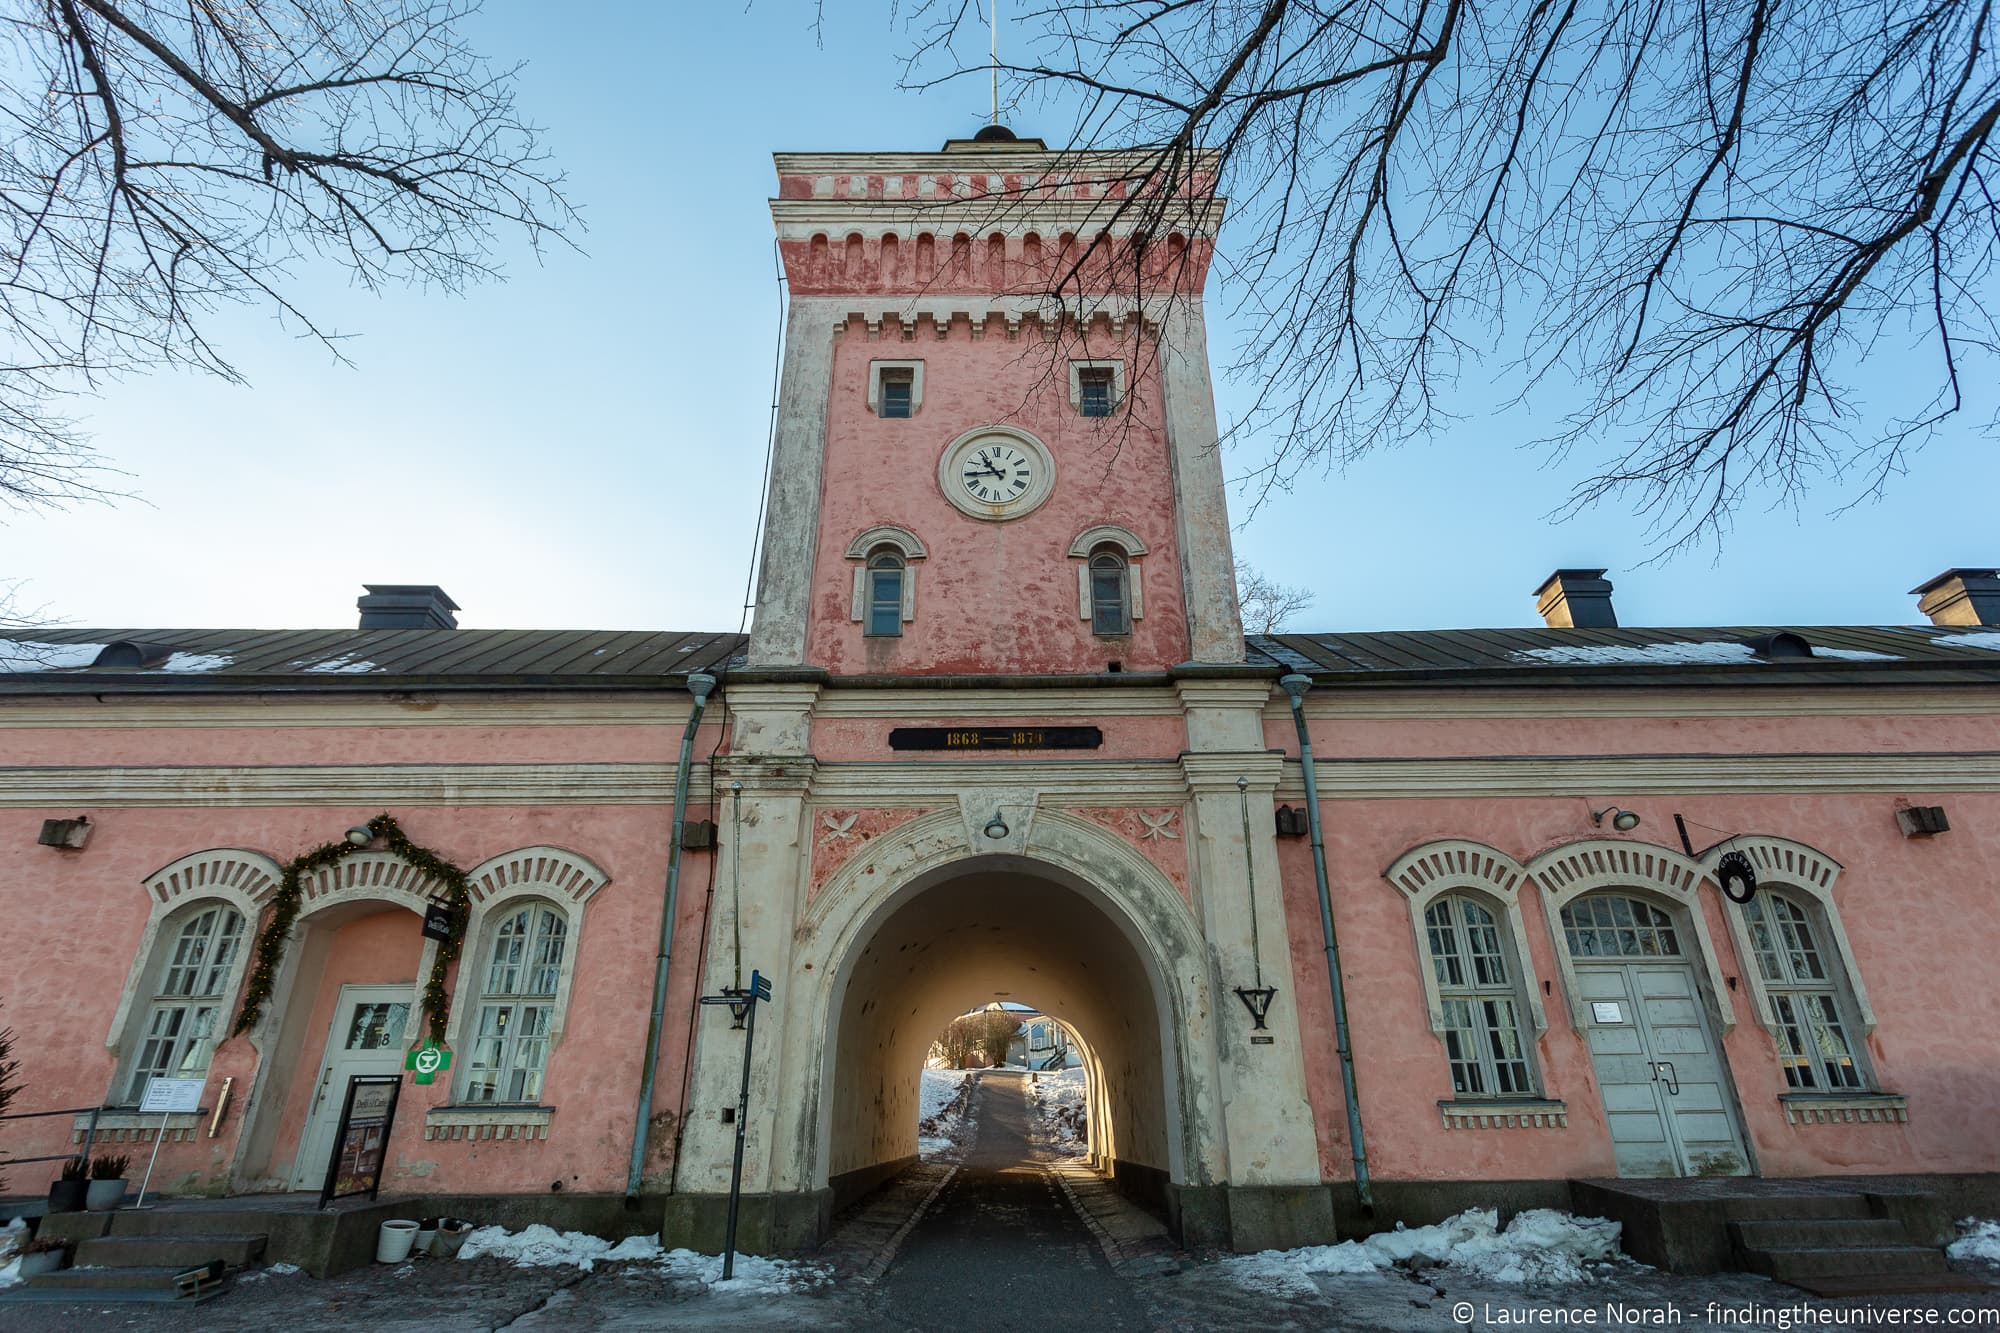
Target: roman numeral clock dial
{"points": [[996, 472]]}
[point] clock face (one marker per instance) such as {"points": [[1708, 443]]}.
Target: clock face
{"points": [[996, 472]]}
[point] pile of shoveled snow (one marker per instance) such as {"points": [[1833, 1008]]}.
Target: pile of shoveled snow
{"points": [[1979, 1238], [1540, 1245], [542, 1246], [1059, 1098], [943, 1098], [12, 1237]]}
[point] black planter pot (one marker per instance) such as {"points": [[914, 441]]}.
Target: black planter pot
{"points": [[67, 1196]]}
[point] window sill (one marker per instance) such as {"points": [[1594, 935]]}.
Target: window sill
{"points": [[1845, 1108], [128, 1126], [488, 1122], [1505, 1113]]}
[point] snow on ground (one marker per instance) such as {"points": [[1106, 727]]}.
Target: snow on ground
{"points": [[12, 1237], [1540, 1245], [1059, 1100], [943, 1103], [1979, 1238], [541, 1246]]}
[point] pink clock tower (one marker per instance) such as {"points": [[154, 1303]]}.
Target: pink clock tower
{"points": [[996, 441]]}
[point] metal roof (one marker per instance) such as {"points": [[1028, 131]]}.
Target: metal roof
{"points": [[39, 660]]}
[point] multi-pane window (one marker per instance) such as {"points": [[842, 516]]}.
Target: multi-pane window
{"points": [[1094, 392], [883, 612], [186, 1011], [1608, 926], [1110, 594], [1482, 1013], [1812, 1040], [510, 1048], [897, 393]]}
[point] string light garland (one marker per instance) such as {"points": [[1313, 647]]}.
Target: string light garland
{"points": [[285, 911]]}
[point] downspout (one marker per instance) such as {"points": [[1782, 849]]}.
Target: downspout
{"points": [[699, 685], [1295, 687]]}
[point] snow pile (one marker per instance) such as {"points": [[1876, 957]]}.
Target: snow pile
{"points": [[943, 1099], [12, 1237], [541, 1246], [1060, 1106], [1541, 1245], [1979, 1238]]}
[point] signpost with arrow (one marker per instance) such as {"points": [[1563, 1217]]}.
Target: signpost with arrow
{"points": [[742, 1002]]}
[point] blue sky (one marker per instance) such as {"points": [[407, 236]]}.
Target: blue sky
{"points": [[580, 445]]}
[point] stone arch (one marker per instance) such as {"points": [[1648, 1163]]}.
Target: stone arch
{"points": [[887, 534], [1455, 865], [1065, 851], [1807, 872], [1569, 871], [1106, 534]]}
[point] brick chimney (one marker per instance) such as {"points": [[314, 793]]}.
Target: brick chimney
{"points": [[406, 606], [1961, 597], [1576, 599]]}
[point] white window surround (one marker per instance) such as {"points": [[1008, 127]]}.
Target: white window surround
{"points": [[875, 369], [561, 879], [903, 542], [179, 890], [1803, 872], [1117, 369], [1640, 869], [1088, 543], [1474, 870]]}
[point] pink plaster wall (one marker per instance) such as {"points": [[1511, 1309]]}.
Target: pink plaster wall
{"points": [[993, 597], [1906, 905]]}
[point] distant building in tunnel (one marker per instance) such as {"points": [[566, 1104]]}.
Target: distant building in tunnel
{"points": [[996, 732]]}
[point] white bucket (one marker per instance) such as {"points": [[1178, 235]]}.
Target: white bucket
{"points": [[392, 1244]]}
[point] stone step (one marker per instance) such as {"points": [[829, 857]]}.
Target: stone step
{"points": [[1794, 1207], [1790, 1233], [1846, 1260], [188, 1251], [170, 1221], [191, 1283]]}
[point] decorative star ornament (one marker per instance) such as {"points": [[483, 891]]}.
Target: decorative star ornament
{"points": [[1158, 826]]}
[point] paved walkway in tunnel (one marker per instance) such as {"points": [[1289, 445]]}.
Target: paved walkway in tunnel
{"points": [[1001, 1248]]}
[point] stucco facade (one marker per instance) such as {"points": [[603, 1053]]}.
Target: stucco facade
{"points": [[1124, 845]]}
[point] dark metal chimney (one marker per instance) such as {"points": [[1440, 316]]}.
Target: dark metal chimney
{"points": [[406, 606], [1961, 597], [1576, 599]]}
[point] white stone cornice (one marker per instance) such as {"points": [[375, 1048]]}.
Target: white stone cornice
{"points": [[941, 308], [768, 775], [1217, 772], [545, 709], [345, 784], [1223, 693], [1331, 703], [1083, 701], [1660, 775]]}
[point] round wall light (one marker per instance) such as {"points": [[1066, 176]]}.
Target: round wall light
{"points": [[360, 835], [1622, 820]]}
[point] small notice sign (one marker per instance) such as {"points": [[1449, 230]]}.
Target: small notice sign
{"points": [[437, 923], [1607, 1011], [172, 1096]]}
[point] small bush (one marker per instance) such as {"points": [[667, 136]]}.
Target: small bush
{"points": [[110, 1167], [75, 1169]]}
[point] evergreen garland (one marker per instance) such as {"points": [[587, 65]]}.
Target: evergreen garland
{"points": [[285, 911]]}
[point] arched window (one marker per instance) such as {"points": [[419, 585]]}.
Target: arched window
{"points": [[1476, 991], [1609, 926], [517, 1004], [1805, 998], [885, 593], [186, 1011], [1110, 592]]}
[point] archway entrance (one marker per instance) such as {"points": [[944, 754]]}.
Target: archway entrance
{"points": [[999, 929]]}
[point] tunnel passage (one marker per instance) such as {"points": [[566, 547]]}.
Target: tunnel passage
{"points": [[970, 939]]}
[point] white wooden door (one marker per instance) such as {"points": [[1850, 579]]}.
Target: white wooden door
{"points": [[1658, 1071], [367, 1037]]}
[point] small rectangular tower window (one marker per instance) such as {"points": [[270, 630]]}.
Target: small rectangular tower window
{"points": [[885, 595], [1094, 396], [896, 393]]}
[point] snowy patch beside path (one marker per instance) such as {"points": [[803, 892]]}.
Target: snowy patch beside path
{"points": [[12, 1237], [1059, 1100], [544, 1247], [1979, 1239], [1540, 1245], [943, 1100]]}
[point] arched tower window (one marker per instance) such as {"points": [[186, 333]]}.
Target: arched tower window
{"points": [[186, 1016], [517, 1004], [1802, 986], [885, 593], [1476, 989], [1110, 592], [885, 584]]}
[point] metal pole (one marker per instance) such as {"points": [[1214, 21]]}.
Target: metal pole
{"points": [[161, 1134], [742, 1128], [90, 1134]]}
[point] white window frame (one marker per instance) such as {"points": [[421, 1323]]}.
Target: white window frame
{"points": [[544, 917], [1087, 545], [875, 369], [1117, 369], [864, 547], [1473, 870], [1469, 990], [216, 999]]}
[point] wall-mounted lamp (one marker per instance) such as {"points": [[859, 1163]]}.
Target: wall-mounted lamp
{"points": [[360, 835], [996, 827], [1622, 820]]}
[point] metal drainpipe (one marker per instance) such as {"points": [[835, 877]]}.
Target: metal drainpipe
{"points": [[1295, 687], [699, 685]]}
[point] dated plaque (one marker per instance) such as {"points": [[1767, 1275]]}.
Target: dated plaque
{"points": [[995, 738]]}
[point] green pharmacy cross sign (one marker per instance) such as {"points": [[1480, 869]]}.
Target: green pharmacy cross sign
{"points": [[427, 1059]]}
